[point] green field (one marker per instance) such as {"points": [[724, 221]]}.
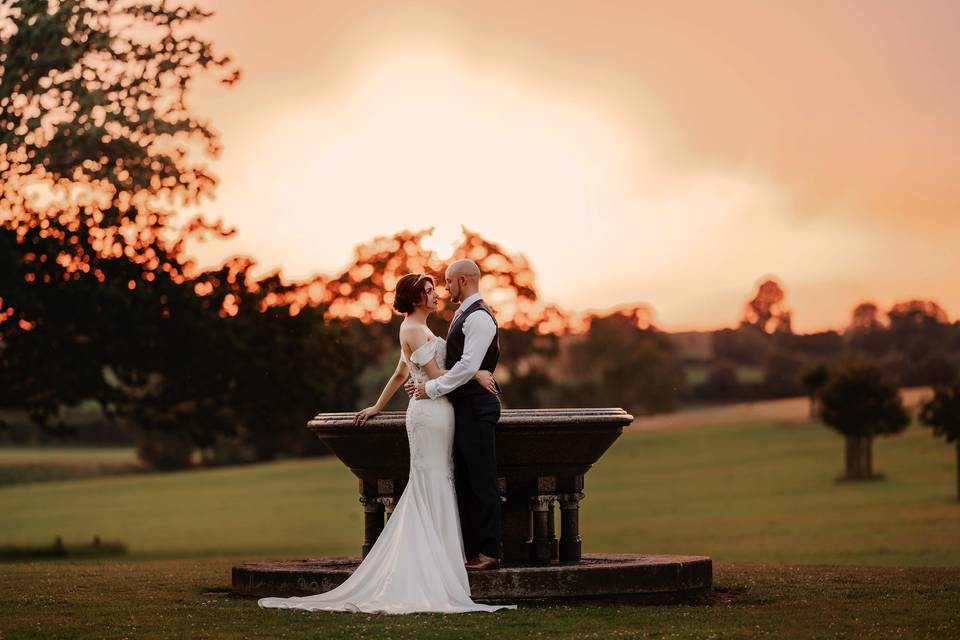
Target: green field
{"points": [[186, 599], [20, 465], [759, 498], [78, 455], [757, 492]]}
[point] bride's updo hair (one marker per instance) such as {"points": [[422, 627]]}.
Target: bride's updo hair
{"points": [[409, 291]]}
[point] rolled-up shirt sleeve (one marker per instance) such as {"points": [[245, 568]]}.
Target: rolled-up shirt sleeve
{"points": [[479, 330]]}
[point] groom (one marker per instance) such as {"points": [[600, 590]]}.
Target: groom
{"points": [[472, 345]]}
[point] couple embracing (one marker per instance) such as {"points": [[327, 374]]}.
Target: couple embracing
{"points": [[447, 521]]}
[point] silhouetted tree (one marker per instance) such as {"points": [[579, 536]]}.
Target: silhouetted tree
{"points": [[917, 312], [97, 297], [934, 370], [942, 412], [813, 380], [364, 290], [525, 360], [823, 344], [92, 116], [865, 317], [92, 95], [624, 365], [720, 384], [861, 401], [918, 328], [766, 311], [744, 345], [781, 374], [866, 333]]}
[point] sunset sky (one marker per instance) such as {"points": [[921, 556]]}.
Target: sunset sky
{"points": [[671, 153]]}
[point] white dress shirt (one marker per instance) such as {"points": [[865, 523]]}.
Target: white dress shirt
{"points": [[479, 330]]}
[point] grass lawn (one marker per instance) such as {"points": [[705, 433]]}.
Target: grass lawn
{"points": [[185, 599], [759, 498], [19, 465], [69, 455], [755, 492]]}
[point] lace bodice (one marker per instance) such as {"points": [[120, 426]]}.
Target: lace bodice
{"points": [[435, 349]]}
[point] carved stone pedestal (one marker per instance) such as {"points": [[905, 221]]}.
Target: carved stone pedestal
{"points": [[542, 457]]}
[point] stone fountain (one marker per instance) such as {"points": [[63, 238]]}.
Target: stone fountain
{"points": [[542, 457]]}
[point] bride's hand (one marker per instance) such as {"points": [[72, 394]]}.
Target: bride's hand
{"points": [[362, 416], [485, 378]]}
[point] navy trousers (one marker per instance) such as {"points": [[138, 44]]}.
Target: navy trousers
{"points": [[475, 469]]}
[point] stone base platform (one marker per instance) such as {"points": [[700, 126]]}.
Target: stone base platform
{"points": [[596, 578]]}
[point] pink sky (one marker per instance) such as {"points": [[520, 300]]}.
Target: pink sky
{"points": [[667, 153]]}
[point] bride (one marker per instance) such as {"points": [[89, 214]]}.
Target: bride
{"points": [[417, 563]]}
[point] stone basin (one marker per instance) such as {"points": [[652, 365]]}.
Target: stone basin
{"points": [[542, 457]]}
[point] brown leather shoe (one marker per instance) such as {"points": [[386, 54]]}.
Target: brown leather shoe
{"points": [[483, 563]]}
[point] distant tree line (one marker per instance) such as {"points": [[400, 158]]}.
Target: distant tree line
{"points": [[913, 341]]}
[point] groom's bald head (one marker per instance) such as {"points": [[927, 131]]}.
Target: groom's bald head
{"points": [[466, 268], [463, 279]]}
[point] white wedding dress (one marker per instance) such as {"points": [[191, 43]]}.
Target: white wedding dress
{"points": [[416, 565]]}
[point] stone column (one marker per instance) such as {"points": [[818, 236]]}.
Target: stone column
{"points": [[372, 523], [541, 550], [552, 533], [570, 526], [388, 502], [516, 529]]}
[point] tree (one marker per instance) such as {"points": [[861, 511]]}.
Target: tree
{"points": [[865, 317], [918, 328], [746, 344], [917, 312], [861, 401], [866, 333], [721, 383], [820, 344], [93, 93], [934, 370], [364, 290], [99, 299], [813, 380], [781, 375], [942, 413], [524, 366], [766, 310], [92, 116], [619, 364]]}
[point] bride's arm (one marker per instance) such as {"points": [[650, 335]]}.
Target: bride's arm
{"points": [[394, 383]]}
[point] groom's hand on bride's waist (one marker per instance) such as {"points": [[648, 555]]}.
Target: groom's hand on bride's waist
{"points": [[421, 391], [410, 387]]}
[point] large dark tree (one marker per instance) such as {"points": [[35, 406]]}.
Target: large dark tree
{"points": [[942, 412], [861, 401], [97, 296], [95, 140]]}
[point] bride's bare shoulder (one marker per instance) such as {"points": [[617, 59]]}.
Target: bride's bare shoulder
{"points": [[413, 334], [407, 327]]}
